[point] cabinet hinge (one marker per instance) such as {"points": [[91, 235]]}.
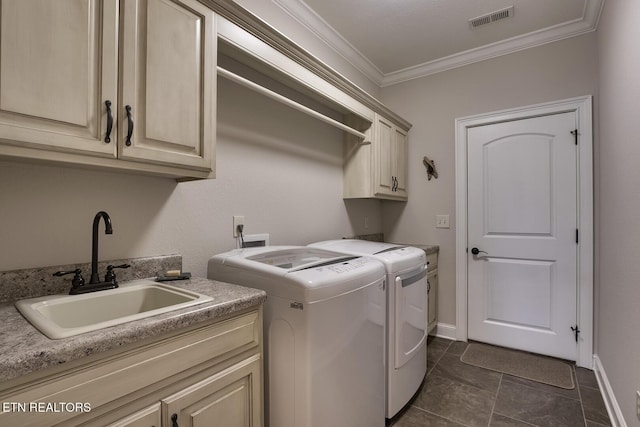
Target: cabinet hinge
{"points": [[575, 135], [576, 331]]}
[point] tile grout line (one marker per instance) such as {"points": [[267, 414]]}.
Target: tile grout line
{"points": [[495, 400], [584, 415]]}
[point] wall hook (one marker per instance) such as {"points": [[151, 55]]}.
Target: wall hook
{"points": [[431, 168]]}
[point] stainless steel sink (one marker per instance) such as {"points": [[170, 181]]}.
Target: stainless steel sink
{"points": [[61, 316]]}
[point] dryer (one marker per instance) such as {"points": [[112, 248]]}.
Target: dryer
{"points": [[406, 315], [323, 333]]}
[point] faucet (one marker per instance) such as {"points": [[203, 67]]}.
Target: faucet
{"points": [[95, 284], [94, 244]]}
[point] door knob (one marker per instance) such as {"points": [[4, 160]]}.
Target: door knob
{"points": [[477, 251]]}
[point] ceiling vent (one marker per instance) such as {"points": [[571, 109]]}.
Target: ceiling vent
{"points": [[491, 17]]}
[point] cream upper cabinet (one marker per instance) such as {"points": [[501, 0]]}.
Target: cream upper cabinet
{"points": [[378, 167], [391, 159], [168, 81], [58, 69], [115, 84]]}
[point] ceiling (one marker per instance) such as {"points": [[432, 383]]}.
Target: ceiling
{"points": [[396, 40]]}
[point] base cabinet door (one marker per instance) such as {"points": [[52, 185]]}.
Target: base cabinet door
{"points": [[148, 417], [432, 278], [231, 398]]}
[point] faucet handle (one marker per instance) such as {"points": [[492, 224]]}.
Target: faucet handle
{"points": [[77, 280], [110, 276]]}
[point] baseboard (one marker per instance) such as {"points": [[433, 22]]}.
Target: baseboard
{"points": [[445, 330], [615, 414]]}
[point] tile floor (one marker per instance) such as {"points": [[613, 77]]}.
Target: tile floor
{"points": [[455, 394]]}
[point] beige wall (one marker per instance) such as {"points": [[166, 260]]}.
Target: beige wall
{"points": [[619, 201], [555, 71], [278, 168]]}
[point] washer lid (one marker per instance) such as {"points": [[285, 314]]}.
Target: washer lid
{"points": [[365, 247], [298, 258], [298, 273]]}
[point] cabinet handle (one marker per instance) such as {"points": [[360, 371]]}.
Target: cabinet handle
{"points": [[174, 420], [107, 137], [129, 127], [394, 186]]}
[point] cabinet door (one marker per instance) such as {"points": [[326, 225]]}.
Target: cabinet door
{"points": [[385, 156], [58, 67], [168, 82], [399, 167], [231, 398], [432, 278], [148, 417]]}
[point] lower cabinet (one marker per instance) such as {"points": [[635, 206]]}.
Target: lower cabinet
{"points": [[226, 399], [229, 398], [146, 417], [207, 375], [432, 280]]}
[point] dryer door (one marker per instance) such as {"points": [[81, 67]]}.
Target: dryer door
{"points": [[410, 314]]}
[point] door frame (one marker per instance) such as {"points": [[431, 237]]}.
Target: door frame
{"points": [[582, 106]]}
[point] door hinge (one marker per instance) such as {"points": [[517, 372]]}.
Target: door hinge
{"points": [[575, 135], [576, 331], [577, 236]]}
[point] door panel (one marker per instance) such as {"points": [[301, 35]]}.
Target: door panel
{"points": [[58, 67], [522, 213], [169, 81]]}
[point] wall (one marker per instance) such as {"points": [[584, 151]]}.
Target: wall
{"points": [[554, 71], [619, 234], [280, 169]]}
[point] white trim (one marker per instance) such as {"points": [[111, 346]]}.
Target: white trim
{"points": [[445, 330], [582, 107], [610, 402], [313, 22], [307, 17]]}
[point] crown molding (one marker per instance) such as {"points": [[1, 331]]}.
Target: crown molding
{"points": [[313, 22], [321, 29]]}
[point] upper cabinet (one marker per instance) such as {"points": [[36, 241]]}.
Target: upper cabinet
{"points": [[127, 85], [168, 82], [131, 85], [377, 169], [390, 161], [58, 68]]}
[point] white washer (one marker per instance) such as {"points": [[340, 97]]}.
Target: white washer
{"points": [[323, 333], [407, 305]]}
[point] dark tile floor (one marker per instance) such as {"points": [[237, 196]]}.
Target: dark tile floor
{"points": [[457, 394]]}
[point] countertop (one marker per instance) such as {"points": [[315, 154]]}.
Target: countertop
{"points": [[25, 349]]}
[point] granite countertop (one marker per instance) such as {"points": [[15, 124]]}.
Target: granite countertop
{"points": [[25, 349]]}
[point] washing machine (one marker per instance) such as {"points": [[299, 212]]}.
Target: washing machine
{"points": [[406, 317], [324, 322]]}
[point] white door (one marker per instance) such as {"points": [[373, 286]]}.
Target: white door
{"points": [[522, 215]]}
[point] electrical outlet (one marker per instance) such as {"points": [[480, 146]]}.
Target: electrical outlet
{"points": [[638, 404], [442, 221], [237, 220]]}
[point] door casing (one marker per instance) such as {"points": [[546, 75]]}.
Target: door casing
{"points": [[583, 110]]}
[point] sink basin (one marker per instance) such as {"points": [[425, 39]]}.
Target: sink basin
{"points": [[61, 316]]}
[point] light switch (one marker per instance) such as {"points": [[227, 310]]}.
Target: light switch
{"points": [[442, 221]]}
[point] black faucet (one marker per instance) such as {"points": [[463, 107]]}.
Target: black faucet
{"points": [[94, 244], [78, 285]]}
